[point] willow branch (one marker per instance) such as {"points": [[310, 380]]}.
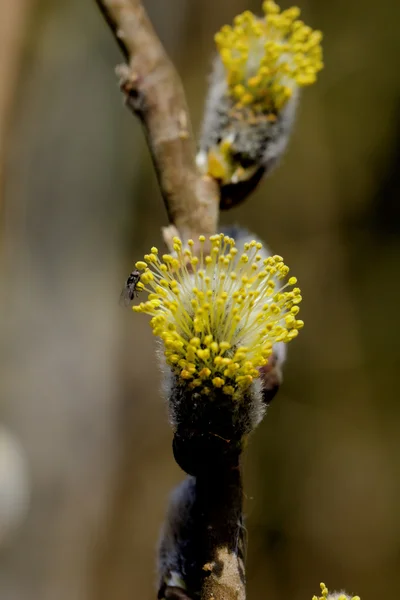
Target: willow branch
{"points": [[208, 514], [154, 92]]}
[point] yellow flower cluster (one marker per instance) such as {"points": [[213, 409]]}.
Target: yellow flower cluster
{"points": [[219, 313], [326, 596], [265, 58]]}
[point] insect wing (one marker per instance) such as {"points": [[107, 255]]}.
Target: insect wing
{"points": [[130, 290], [126, 296]]}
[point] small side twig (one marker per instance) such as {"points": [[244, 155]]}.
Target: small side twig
{"points": [[154, 92]]}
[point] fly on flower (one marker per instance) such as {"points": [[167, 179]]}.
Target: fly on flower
{"points": [[131, 288]]}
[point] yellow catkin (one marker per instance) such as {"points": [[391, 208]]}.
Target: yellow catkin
{"points": [[325, 595], [219, 314], [266, 58]]}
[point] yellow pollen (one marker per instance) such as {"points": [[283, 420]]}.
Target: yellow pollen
{"points": [[219, 319]]}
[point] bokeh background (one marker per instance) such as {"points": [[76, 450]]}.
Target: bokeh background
{"points": [[79, 386]]}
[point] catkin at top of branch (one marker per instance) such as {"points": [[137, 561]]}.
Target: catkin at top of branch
{"points": [[326, 595], [253, 94]]}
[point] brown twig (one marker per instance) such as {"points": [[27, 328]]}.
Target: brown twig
{"points": [[154, 92], [204, 539]]}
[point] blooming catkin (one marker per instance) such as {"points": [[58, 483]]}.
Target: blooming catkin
{"points": [[250, 109], [221, 314], [218, 314]]}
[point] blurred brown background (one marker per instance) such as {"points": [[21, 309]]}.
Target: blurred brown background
{"points": [[79, 386]]}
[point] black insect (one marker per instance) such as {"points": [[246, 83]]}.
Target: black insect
{"points": [[130, 289]]}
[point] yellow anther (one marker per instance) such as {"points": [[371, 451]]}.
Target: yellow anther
{"points": [[203, 354], [229, 390], [141, 265], [224, 346], [185, 374], [205, 373]]}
